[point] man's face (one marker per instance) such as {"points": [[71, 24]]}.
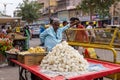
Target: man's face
{"points": [[64, 24], [56, 25]]}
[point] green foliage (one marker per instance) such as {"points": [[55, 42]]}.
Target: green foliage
{"points": [[87, 4], [4, 47], [101, 7], [5, 43], [30, 11]]}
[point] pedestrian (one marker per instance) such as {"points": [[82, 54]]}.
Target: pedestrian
{"points": [[9, 30], [53, 35], [64, 33], [3, 30], [105, 25], [42, 28], [27, 35], [81, 35], [91, 32], [17, 28]]}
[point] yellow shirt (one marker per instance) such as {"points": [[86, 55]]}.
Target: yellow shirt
{"points": [[17, 29]]}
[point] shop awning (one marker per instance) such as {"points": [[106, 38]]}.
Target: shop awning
{"points": [[9, 19]]}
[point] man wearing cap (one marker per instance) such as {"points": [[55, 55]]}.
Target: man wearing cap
{"points": [[53, 35]]}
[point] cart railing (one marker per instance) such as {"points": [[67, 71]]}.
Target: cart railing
{"points": [[103, 38]]}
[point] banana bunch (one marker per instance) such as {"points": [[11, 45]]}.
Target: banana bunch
{"points": [[36, 50]]}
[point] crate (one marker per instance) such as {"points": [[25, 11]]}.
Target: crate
{"points": [[31, 59]]}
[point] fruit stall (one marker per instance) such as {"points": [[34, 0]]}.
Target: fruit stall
{"points": [[30, 57], [11, 40]]}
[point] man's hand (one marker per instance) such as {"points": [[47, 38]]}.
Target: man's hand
{"points": [[76, 22]]}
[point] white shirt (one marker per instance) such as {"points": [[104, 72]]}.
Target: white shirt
{"points": [[89, 27], [4, 31], [92, 31]]}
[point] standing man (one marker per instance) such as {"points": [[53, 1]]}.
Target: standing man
{"points": [[64, 33], [81, 35], [3, 30], [91, 32], [53, 35]]}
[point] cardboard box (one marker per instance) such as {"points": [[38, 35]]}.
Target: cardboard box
{"points": [[31, 59]]}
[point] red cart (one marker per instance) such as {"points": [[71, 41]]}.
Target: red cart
{"points": [[35, 70]]}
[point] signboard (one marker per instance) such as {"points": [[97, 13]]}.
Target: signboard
{"points": [[63, 15], [84, 18]]}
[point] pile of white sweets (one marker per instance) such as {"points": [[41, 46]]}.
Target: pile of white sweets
{"points": [[64, 58]]}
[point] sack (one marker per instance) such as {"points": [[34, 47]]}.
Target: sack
{"points": [[90, 53]]}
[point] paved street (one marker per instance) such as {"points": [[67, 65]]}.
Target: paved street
{"points": [[11, 73]]}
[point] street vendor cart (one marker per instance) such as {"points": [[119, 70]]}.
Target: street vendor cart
{"points": [[35, 70]]}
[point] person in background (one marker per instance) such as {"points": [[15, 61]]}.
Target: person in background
{"points": [[71, 32], [9, 30], [27, 35], [91, 32], [81, 35], [53, 35], [64, 33], [105, 25], [42, 28], [90, 26], [17, 29], [65, 23], [30, 32], [3, 30]]}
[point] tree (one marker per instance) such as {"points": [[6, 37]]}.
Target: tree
{"points": [[29, 11], [101, 7], [87, 6]]}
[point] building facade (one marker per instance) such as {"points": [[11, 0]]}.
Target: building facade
{"points": [[115, 9], [62, 9], [115, 13]]}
